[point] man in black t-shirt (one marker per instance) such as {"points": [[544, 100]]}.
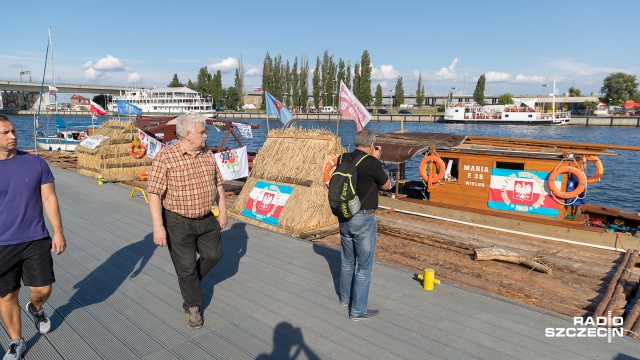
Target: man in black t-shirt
{"points": [[358, 234]]}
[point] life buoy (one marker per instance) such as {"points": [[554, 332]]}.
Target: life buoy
{"points": [[580, 187], [70, 136], [423, 169], [599, 169], [82, 136], [143, 175], [327, 170], [140, 153]]}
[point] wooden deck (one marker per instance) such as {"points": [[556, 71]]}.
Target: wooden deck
{"points": [[271, 297]]}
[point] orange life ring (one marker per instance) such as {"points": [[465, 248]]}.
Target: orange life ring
{"points": [[82, 136], [143, 175], [423, 169], [327, 170], [140, 153], [599, 169], [580, 187]]}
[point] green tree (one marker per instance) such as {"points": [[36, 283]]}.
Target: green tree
{"points": [[217, 93], [267, 66], [341, 73], [420, 93], [232, 98], [316, 85], [365, 79], [287, 85], [356, 82], [295, 84], [175, 82], [399, 93], [304, 81], [203, 80], [619, 87], [191, 85], [574, 92], [347, 75], [239, 83], [378, 97], [478, 93], [505, 99]]}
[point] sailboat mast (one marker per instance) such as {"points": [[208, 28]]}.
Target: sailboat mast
{"points": [[554, 99], [53, 72], [44, 72]]}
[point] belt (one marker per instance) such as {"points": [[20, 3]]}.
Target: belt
{"points": [[190, 218], [366, 211]]}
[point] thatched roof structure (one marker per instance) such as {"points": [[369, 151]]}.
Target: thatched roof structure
{"points": [[111, 159], [295, 157]]}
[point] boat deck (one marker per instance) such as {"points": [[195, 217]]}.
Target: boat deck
{"points": [[271, 297]]}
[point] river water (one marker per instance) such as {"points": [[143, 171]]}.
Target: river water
{"points": [[618, 188]]}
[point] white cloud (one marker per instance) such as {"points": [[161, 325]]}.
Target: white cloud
{"points": [[495, 76], [134, 77], [225, 65], [253, 72], [533, 79], [109, 63], [385, 72], [93, 74], [448, 72]]}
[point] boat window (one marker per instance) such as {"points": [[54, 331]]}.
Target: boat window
{"points": [[510, 165], [453, 167]]}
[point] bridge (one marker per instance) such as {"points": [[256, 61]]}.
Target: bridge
{"points": [[29, 87]]}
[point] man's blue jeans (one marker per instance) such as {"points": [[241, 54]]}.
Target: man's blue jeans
{"points": [[358, 244]]}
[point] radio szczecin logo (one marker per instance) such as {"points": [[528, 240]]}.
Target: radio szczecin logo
{"points": [[590, 327]]}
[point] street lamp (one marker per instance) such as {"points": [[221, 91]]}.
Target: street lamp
{"points": [[544, 95]]}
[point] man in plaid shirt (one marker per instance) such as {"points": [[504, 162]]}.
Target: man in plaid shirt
{"points": [[184, 184]]}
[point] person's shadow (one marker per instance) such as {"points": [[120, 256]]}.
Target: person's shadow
{"points": [[104, 280], [288, 343], [332, 256], [234, 247]]}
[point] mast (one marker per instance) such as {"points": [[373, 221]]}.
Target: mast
{"points": [[35, 120], [553, 114]]}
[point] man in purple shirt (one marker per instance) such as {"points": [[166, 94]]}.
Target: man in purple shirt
{"points": [[26, 185]]}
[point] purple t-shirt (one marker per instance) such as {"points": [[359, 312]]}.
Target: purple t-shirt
{"points": [[21, 213]]}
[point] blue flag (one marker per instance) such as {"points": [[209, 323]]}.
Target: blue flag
{"points": [[276, 108], [127, 108]]}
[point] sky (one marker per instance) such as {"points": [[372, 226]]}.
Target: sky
{"points": [[517, 45]]}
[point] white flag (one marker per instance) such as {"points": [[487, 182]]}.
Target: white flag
{"points": [[244, 129], [349, 106], [233, 164]]}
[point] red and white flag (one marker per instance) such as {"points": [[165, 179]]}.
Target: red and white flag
{"points": [[97, 109], [349, 106]]}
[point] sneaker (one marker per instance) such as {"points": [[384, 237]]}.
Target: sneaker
{"points": [[343, 303], [370, 314], [16, 350], [194, 320], [40, 318]]}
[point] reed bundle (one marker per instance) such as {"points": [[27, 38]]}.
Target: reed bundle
{"points": [[295, 157], [111, 160]]}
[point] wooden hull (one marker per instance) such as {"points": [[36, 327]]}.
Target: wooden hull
{"points": [[518, 225]]}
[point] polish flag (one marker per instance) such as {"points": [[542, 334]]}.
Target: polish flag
{"points": [[97, 109]]}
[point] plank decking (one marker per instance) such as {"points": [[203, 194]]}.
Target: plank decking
{"points": [[271, 297]]}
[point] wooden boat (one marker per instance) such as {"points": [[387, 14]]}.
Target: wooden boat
{"points": [[517, 185]]}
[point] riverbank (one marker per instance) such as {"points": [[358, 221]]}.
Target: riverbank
{"points": [[631, 121]]}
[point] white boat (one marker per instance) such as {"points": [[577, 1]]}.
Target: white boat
{"points": [[65, 140], [164, 101], [522, 112]]}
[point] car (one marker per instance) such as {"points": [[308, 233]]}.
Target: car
{"points": [[327, 110], [404, 112], [383, 111]]}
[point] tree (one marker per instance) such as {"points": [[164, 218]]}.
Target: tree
{"points": [[239, 83], [191, 85], [316, 85], [574, 92], [478, 93], [203, 80], [267, 66], [295, 84], [175, 82], [399, 93], [356, 82], [232, 98], [217, 93], [618, 88], [589, 106], [505, 99], [347, 76], [365, 79], [420, 92], [378, 98], [304, 81]]}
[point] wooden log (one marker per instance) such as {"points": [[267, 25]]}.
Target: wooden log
{"points": [[617, 294], [511, 257], [606, 298]]}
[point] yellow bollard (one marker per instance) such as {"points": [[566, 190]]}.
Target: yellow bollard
{"points": [[428, 279], [100, 180]]}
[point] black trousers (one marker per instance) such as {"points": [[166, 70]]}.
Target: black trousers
{"points": [[187, 238]]}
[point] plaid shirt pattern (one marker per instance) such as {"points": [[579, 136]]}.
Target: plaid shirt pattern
{"points": [[186, 184]]}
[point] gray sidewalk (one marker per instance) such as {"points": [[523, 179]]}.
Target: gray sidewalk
{"points": [[271, 297]]}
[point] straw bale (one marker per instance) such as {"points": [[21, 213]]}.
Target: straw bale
{"points": [[111, 159], [295, 157]]}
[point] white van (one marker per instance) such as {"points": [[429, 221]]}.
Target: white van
{"points": [[328, 110]]}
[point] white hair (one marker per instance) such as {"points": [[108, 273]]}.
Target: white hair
{"points": [[187, 123]]}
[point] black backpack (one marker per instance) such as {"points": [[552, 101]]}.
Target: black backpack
{"points": [[343, 200]]}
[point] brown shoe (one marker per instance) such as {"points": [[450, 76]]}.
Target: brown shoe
{"points": [[194, 320]]}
